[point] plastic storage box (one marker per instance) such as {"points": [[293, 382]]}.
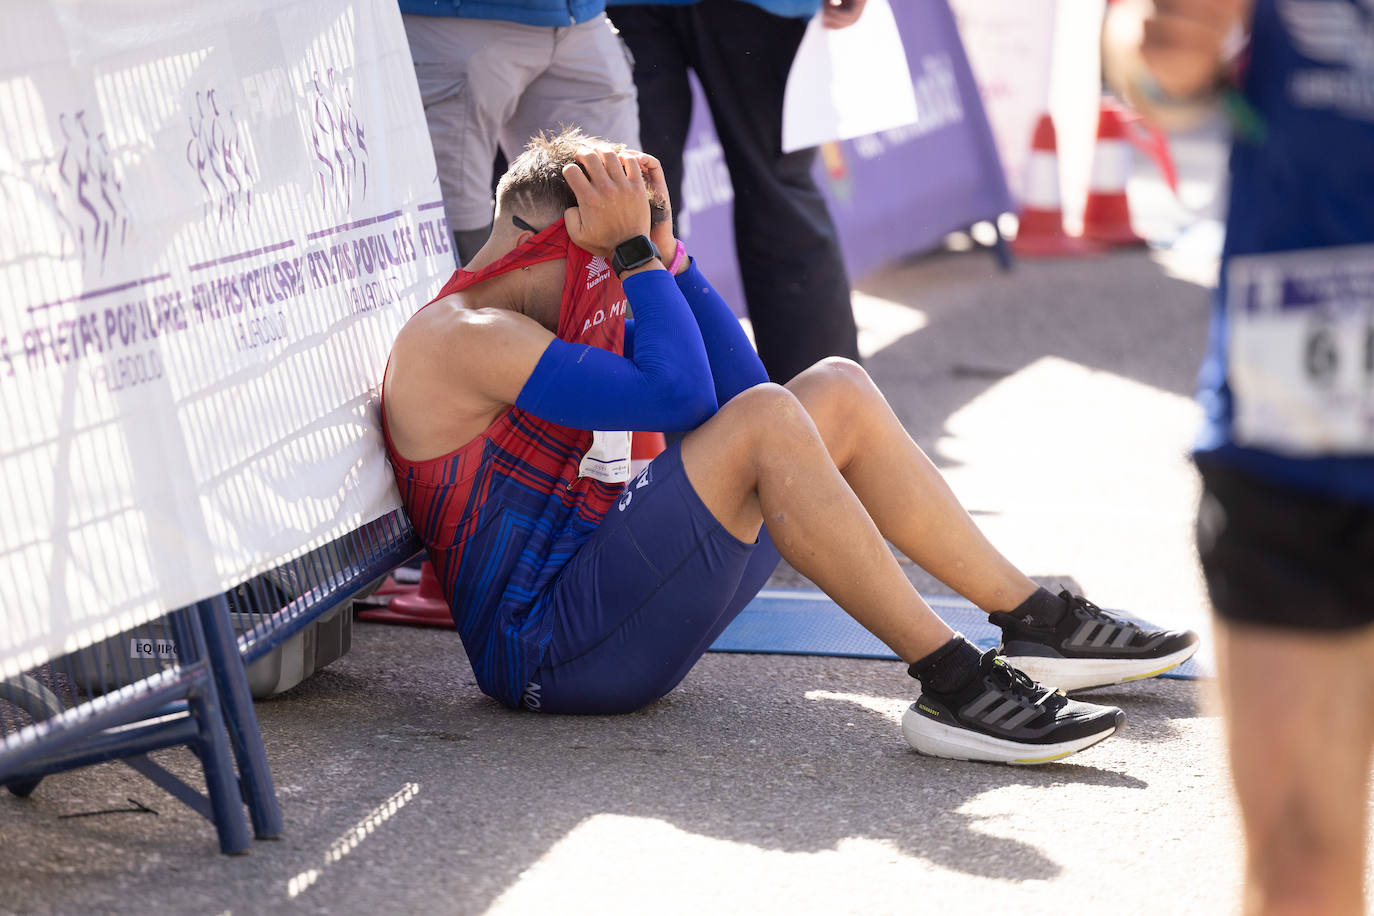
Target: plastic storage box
{"points": [[324, 640]]}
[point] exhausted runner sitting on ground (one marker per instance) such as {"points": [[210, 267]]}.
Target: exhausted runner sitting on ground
{"points": [[576, 590]]}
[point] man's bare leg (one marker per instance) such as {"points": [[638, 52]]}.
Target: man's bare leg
{"points": [[1300, 721], [761, 456], [903, 492]]}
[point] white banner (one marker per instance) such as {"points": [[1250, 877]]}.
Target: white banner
{"points": [[1009, 45], [213, 220]]}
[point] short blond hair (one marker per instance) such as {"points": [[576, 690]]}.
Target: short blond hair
{"points": [[534, 182]]}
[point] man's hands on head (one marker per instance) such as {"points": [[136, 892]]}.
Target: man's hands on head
{"points": [[612, 205], [661, 233], [840, 14]]}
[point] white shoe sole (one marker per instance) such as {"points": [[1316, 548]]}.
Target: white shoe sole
{"points": [[1081, 673], [935, 739]]}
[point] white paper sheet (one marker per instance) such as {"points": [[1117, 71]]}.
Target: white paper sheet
{"points": [[848, 82]]}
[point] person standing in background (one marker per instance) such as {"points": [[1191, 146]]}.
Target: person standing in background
{"points": [[498, 72], [1286, 523], [795, 284]]}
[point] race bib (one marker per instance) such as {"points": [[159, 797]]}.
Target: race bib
{"points": [[1301, 350], [608, 458]]}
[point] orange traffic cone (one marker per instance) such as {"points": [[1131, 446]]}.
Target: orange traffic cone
{"points": [[1107, 216], [421, 606], [645, 447], [1041, 232]]}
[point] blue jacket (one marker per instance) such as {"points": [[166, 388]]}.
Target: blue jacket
{"points": [[787, 9], [526, 12]]}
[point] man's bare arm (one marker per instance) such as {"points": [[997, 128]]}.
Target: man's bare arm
{"points": [[453, 370]]}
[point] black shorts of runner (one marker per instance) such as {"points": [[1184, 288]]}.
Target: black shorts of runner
{"points": [[1281, 556]]}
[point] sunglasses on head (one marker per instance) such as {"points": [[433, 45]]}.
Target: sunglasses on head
{"points": [[521, 224]]}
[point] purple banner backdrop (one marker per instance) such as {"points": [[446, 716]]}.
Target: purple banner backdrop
{"points": [[892, 194]]}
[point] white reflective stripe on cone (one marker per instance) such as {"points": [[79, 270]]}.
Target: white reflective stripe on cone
{"points": [[1041, 190], [1111, 166]]}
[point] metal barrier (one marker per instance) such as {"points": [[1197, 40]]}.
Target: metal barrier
{"points": [[51, 724], [317, 584], [184, 680]]}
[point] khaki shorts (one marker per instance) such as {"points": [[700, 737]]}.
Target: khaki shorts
{"points": [[485, 82]]}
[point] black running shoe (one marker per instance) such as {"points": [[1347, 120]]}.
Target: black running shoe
{"points": [[1089, 647], [1003, 716]]}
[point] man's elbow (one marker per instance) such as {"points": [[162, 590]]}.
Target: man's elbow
{"points": [[691, 405]]}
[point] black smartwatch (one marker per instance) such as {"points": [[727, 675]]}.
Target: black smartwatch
{"points": [[632, 253]]}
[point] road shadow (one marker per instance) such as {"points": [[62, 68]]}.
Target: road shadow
{"points": [[747, 753], [401, 784]]}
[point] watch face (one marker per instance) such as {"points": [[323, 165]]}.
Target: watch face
{"points": [[634, 252]]}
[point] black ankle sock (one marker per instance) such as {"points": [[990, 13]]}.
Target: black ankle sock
{"points": [[1044, 607], [949, 667]]}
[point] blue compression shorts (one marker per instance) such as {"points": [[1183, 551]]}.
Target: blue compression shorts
{"points": [[643, 599]]}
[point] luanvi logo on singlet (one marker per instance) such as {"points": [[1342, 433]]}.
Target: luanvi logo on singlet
{"points": [[597, 271]]}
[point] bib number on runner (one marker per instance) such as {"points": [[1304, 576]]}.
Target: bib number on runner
{"points": [[608, 457], [1301, 350]]}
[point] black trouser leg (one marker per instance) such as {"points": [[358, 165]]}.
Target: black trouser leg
{"points": [[654, 37], [795, 284], [793, 272]]}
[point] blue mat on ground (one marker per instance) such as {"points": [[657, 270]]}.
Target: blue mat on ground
{"points": [[786, 621]]}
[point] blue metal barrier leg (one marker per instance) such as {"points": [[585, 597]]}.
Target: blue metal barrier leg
{"points": [[231, 680], [1002, 251], [225, 801]]}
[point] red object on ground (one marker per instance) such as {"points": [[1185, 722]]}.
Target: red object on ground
{"points": [[421, 606], [1107, 215], [645, 447], [395, 584], [1041, 233]]}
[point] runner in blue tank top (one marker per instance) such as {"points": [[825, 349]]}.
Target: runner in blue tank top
{"points": [[1286, 525]]}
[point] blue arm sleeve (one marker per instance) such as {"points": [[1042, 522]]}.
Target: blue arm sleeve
{"points": [[735, 364], [665, 387]]}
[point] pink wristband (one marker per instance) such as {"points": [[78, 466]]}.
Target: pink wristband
{"points": [[679, 257]]}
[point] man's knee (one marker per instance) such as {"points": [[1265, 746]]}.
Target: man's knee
{"points": [[837, 376], [837, 392], [765, 409]]}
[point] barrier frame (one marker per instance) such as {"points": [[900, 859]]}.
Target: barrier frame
{"points": [[204, 701], [179, 706], [387, 543]]}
